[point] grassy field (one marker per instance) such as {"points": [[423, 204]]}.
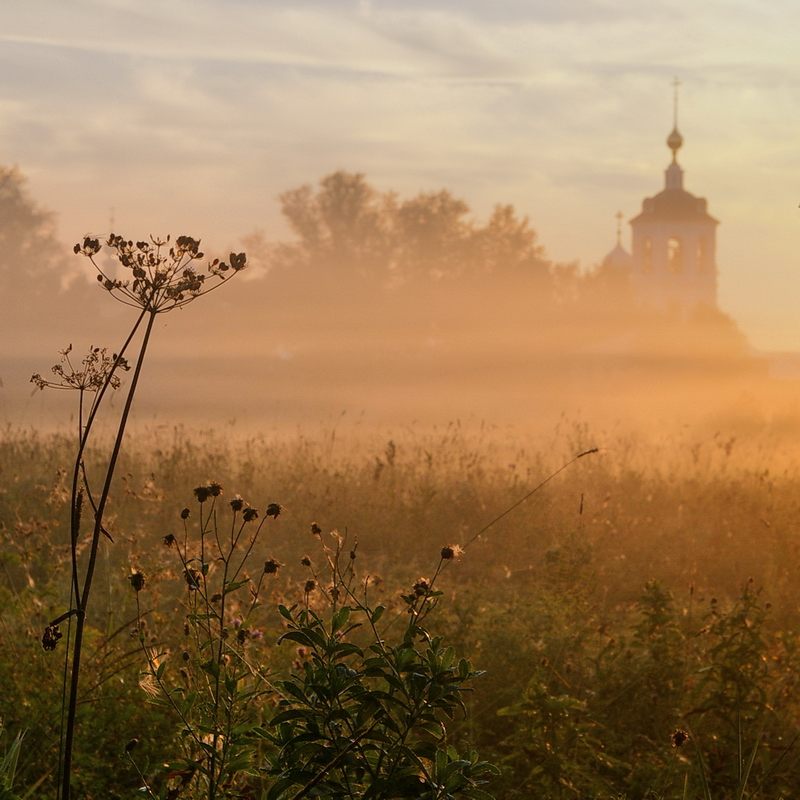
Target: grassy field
{"points": [[648, 588]]}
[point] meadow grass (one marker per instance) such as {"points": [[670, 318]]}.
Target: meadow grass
{"points": [[648, 589]]}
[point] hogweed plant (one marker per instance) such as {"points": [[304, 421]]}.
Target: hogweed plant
{"points": [[358, 714], [154, 277]]}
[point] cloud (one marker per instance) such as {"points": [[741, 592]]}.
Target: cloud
{"points": [[194, 115]]}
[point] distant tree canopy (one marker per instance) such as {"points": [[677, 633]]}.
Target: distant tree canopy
{"points": [[346, 227], [36, 309], [28, 245]]}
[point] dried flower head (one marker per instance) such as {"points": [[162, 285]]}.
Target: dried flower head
{"points": [[163, 276], [249, 514], [192, 577], [421, 587], [451, 551], [185, 513], [679, 737], [132, 744], [202, 493], [216, 597], [50, 637], [96, 370], [274, 510], [169, 540], [305, 561], [310, 585], [237, 504], [315, 529], [215, 488], [137, 579], [271, 566]]}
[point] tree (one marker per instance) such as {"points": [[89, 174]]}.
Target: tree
{"points": [[33, 269], [29, 250], [344, 227], [434, 235]]}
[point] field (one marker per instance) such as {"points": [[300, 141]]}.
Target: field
{"points": [[648, 588]]}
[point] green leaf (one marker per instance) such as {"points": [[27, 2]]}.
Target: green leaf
{"points": [[296, 636], [340, 619]]}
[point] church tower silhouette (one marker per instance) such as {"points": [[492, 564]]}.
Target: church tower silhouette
{"points": [[673, 259]]}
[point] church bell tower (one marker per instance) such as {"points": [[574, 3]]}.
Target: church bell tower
{"points": [[673, 263]]}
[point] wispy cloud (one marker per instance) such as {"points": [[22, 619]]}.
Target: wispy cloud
{"points": [[194, 114]]}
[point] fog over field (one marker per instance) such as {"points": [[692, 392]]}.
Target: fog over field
{"points": [[355, 352]]}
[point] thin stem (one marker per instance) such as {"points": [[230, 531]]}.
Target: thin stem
{"points": [[83, 598]]}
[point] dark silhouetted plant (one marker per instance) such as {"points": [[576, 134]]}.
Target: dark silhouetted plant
{"points": [[361, 712], [154, 277]]}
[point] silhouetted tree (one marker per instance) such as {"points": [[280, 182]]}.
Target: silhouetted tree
{"points": [[344, 227], [29, 251], [347, 228], [33, 269]]}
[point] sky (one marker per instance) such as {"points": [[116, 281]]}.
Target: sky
{"points": [[192, 116]]}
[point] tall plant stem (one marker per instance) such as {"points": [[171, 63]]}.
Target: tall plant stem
{"points": [[83, 597], [83, 438]]}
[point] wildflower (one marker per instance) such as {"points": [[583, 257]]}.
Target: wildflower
{"points": [[352, 555], [249, 514], [237, 504], [185, 513], [215, 489], [192, 577], [51, 636], [274, 510], [169, 540], [202, 493], [315, 529], [305, 561], [257, 635], [421, 587], [137, 580], [679, 737], [271, 566], [131, 745], [310, 586], [451, 551]]}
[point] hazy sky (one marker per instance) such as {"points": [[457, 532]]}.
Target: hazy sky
{"points": [[191, 116]]}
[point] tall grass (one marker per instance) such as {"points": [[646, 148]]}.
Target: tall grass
{"points": [[613, 608]]}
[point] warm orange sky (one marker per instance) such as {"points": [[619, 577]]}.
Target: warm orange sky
{"points": [[192, 116]]}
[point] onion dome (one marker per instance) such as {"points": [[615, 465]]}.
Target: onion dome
{"points": [[674, 142]]}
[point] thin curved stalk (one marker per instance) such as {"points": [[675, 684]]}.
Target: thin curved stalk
{"points": [[83, 597]]}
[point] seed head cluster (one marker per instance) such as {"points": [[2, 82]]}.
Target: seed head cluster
{"points": [[97, 369], [162, 275]]}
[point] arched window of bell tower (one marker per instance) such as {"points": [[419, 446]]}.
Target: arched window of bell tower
{"points": [[674, 256], [647, 261], [702, 256]]}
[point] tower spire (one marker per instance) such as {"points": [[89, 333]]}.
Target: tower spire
{"points": [[675, 140], [674, 173], [675, 84]]}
